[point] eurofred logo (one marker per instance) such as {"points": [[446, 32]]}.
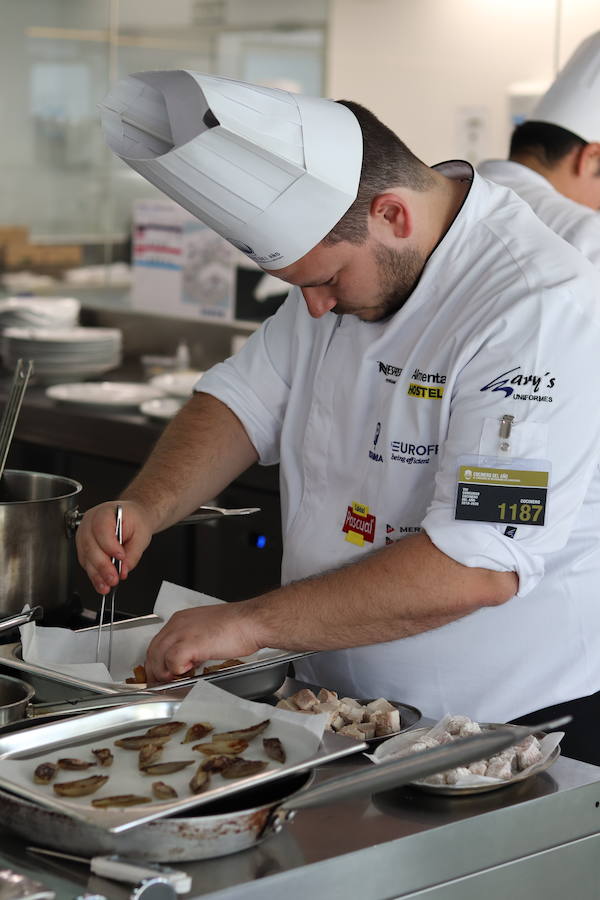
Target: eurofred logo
{"points": [[359, 525]]}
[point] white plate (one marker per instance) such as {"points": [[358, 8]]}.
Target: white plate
{"points": [[388, 751], [115, 394], [161, 408], [65, 335], [177, 384]]}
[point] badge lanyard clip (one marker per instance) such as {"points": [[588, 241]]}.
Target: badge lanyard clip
{"points": [[506, 424]]}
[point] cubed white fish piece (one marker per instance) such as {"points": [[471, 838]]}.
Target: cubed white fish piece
{"points": [[305, 699], [455, 723], [325, 696], [379, 705], [454, 776]]}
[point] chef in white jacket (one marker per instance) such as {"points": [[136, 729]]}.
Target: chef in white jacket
{"points": [[554, 162], [429, 389]]}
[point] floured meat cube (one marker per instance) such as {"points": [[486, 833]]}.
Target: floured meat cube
{"points": [[352, 731], [286, 704], [440, 778], [325, 696], [528, 756], [454, 776], [305, 699], [469, 729], [499, 768], [352, 714], [386, 722], [445, 738], [379, 705], [478, 768], [455, 723], [367, 728]]}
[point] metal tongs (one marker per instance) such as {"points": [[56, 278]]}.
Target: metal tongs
{"points": [[117, 564], [9, 420]]}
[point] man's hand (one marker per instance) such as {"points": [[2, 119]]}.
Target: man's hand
{"points": [[192, 636], [97, 542]]}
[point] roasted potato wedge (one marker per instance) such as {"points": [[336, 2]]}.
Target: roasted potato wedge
{"points": [[149, 753], [274, 749], [163, 791], [200, 781], [197, 732], [80, 788], [45, 772], [242, 734], [222, 748], [74, 765], [104, 756], [119, 800], [166, 768], [242, 768], [136, 742], [166, 729]]}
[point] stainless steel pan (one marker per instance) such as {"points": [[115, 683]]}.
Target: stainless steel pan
{"points": [[243, 820]]}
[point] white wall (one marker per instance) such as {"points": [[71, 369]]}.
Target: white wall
{"points": [[426, 66]]}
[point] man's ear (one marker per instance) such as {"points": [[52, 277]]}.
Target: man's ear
{"points": [[587, 160], [390, 216]]}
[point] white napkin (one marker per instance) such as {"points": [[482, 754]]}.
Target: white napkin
{"points": [[74, 652]]}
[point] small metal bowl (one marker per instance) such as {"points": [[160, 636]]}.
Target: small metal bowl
{"points": [[15, 697]]}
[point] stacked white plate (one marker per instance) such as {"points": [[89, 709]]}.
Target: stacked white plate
{"points": [[59, 355], [39, 312], [176, 384]]}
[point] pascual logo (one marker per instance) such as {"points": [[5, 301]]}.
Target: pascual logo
{"points": [[359, 525], [392, 373], [510, 381], [427, 385], [373, 454], [406, 452]]}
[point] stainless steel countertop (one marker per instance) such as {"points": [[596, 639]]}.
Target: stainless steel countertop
{"points": [[387, 845]]}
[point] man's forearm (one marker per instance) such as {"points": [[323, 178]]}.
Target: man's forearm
{"points": [[201, 451], [402, 590]]}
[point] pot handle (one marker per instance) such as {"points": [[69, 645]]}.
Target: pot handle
{"points": [[74, 516], [33, 615]]}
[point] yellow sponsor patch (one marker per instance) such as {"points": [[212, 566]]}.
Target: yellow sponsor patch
{"points": [[424, 391]]}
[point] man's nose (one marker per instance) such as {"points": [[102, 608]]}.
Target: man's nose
{"points": [[319, 300]]}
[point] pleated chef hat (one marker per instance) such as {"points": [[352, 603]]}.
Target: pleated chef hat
{"points": [[573, 99], [270, 171]]}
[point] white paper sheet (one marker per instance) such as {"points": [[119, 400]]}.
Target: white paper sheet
{"points": [[74, 652], [299, 735]]}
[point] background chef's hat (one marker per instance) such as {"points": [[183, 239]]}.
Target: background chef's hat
{"points": [[270, 171], [573, 100]]}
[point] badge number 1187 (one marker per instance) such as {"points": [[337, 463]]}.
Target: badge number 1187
{"points": [[504, 495]]}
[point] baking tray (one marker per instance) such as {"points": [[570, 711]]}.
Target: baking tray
{"points": [[257, 678], [38, 744]]}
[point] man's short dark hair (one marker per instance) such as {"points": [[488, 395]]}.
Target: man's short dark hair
{"points": [[387, 163], [548, 143]]}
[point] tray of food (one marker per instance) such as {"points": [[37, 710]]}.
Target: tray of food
{"points": [[371, 720], [133, 764], [531, 756], [67, 658]]}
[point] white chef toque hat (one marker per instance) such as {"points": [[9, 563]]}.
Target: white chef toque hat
{"points": [[573, 99], [270, 171]]}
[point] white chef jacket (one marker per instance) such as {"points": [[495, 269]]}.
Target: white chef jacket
{"points": [[368, 421], [576, 223]]}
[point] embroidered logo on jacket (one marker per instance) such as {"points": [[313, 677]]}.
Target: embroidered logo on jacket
{"points": [[359, 525], [508, 381], [392, 373], [426, 385], [373, 452]]}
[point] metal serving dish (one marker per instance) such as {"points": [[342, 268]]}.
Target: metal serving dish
{"points": [[42, 744], [257, 678]]}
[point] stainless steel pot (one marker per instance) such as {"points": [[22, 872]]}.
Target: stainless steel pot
{"points": [[35, 549], [15, 697]]}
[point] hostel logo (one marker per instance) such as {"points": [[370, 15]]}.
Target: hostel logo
{"points": [[359, 525], [426, 385], [508, 381]]}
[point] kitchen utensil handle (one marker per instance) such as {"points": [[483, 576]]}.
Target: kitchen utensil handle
{"points": [[34, 615], [419, 765], [74, 516]]}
